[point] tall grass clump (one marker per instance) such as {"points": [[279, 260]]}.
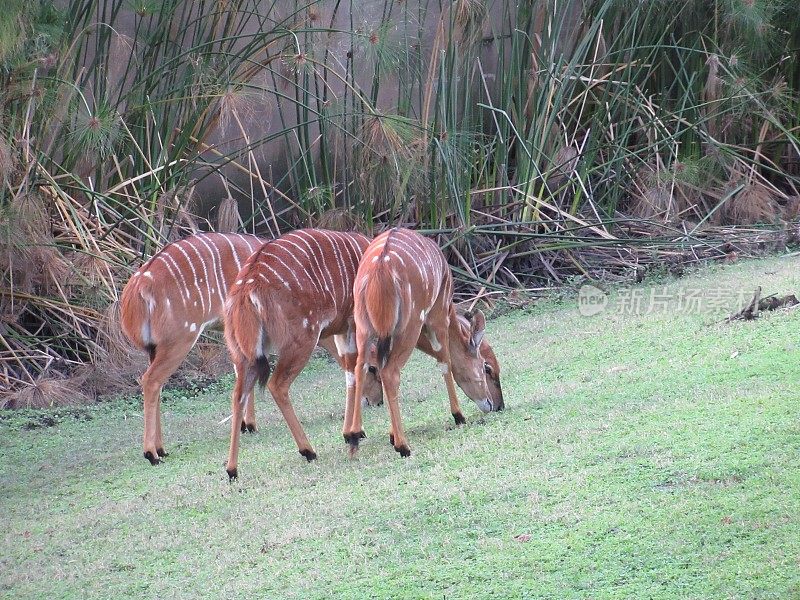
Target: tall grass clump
{"points": [[113, 113], [540, 141]]}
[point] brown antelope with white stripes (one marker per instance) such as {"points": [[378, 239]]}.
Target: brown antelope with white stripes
{"points": [[403, 292], [293, 292], [168, 303]]}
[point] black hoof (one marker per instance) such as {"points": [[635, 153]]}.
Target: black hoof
{"points": [[404, 451], [353, 439], [309, 455], [459, 419], [232, 474], [154, 460], [161, 452], [362, 435], [248, 427], [391, 439]]}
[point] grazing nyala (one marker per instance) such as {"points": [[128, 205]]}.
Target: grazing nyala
{"points": [[167, 304], [404, 291], [291, 293]]}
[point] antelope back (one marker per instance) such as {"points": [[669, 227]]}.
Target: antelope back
{"points": [[182, 288], [300, 282], [401, 275]]}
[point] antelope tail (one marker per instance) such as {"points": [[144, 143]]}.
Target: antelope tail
{"points": [[245, 333], [136, 308], [382, 301]]}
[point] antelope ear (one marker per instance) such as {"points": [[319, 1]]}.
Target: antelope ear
{"points": [[477, 327]]}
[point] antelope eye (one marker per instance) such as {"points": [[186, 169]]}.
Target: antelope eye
{"points": [[487, 368], [373, 370]]}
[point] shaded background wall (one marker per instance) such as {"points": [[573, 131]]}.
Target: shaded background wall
{"points": [[305, 95]]}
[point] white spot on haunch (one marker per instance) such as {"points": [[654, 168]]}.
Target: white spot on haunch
{"points": [[251, 280], [443, 368], [239, 282], [186, 323], [148, 274], [193, 327], [375, 258], [305, 323], [386, 258], [136, 274]]}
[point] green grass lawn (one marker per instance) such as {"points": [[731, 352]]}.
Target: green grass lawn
{"points": [[640, 456]]}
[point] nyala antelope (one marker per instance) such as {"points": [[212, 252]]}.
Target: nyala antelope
{"points": [[404, 293], [292, 292], [168, 303]]}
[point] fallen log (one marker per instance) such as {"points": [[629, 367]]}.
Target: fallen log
{"points": [[758, 304]]}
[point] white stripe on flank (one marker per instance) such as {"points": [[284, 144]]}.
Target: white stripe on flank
{"points": [[194, 274], [433, 256], [291, 271], [348, 245], [327, 283], [311, 255], [205, 282], [404, 247], [358, 251], [305, 265], [400, 258], [339, 263], [274, 272], [165, 258], [246, 239], [424, 247], [233, 252], [216, 266]]}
